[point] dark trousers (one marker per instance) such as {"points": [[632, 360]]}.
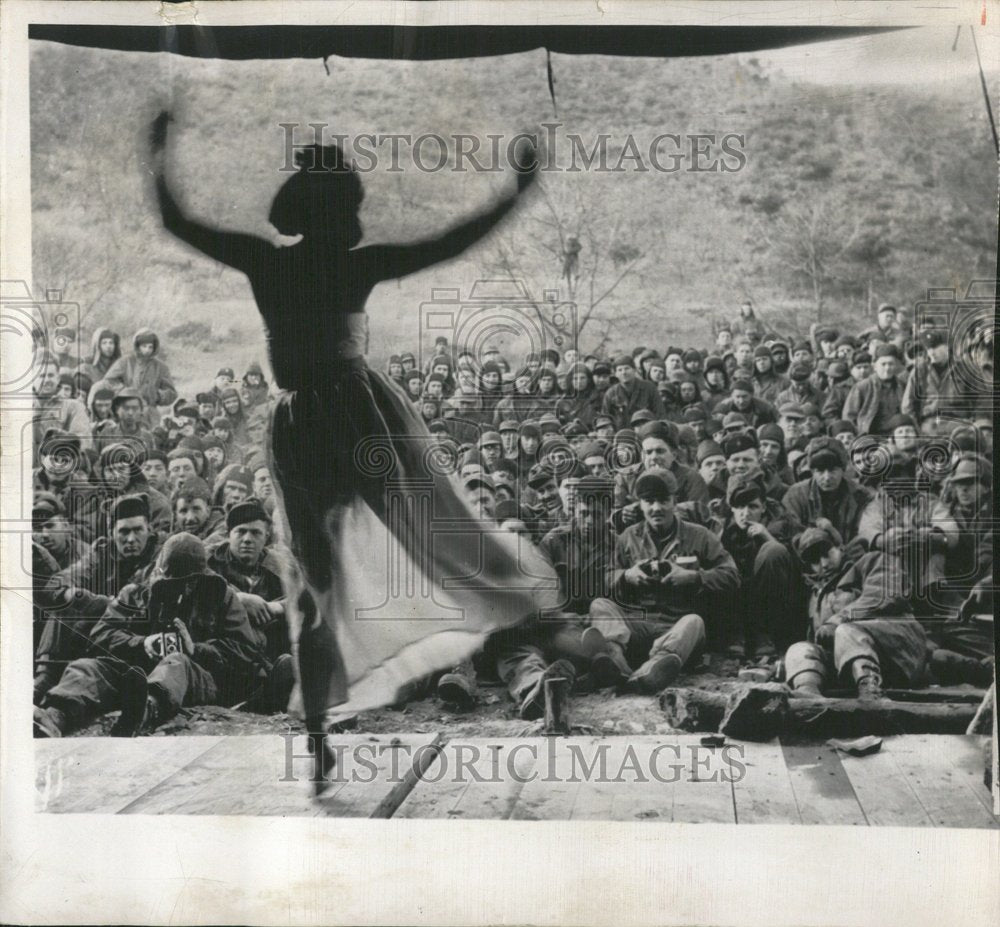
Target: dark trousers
{"points": [[92, 686], [524, 656], [61, 641], [771, 599]]}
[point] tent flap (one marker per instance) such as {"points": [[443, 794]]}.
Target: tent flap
{"points": [[427, 43]]}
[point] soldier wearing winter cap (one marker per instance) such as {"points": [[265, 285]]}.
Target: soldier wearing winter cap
{"points": [[756, 532], [630, 394], [828, 497], [669, 578], [862, 628], [755, 410]]}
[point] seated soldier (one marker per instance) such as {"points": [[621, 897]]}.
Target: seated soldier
{"points": [[861, 628], [232, 486], [504, 477], [963, 516], [827, 497], [215, 455], [593, 455], [801, 390], [898, 521], [195, 514], [508, 430], [541, 498], [263, 485], [771, 449], [62, 473], [222, 428], [490, 450], [127, 422], [51, 530], [743, 457], [75, 597], [182, 639], [667, 578], [741, 399], [658, 451], [559, 643], [54, 546], [154, 469], [182, 466], [755, 533], [712, 469], [249, 562], [480, 493]]}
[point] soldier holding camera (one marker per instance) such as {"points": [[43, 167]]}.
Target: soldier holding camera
{"points": [[668, 577], [183, 639]]}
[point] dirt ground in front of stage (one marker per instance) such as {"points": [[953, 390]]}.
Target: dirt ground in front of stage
{"points": [[495, 715]]}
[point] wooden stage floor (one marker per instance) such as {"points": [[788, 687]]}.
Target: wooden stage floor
{"points": [[915, 780]]}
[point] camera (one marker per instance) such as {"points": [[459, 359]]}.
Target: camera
{"points": [[166, 643]]}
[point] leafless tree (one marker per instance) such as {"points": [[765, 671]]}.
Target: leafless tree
{"points": [[578, 250]]}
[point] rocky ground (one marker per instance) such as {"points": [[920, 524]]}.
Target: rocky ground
{"points": [[494, 716]]}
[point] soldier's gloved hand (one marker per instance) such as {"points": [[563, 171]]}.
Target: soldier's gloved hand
{"points": [[257, 610], [631, 514], [153, 645], [636, 576], [757, 530], [681, 576]]}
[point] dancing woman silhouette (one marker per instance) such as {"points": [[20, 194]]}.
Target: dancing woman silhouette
{"points": [[312, 296]]}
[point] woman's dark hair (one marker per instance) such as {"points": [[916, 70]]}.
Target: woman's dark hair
{"points": [[324, 194]]}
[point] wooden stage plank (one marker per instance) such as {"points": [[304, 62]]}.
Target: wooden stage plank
{"points": [[625, 790], [704, 793], [555, 783], [475, 778], [253, 775], [915, 780], [641, 778], [379, 770], [102, 775], [822, 789], [884, 791], [622, 778], [763, 794], [946, 793], [969, 762]]}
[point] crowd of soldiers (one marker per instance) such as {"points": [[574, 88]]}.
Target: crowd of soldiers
{"points": [[819, 506]]}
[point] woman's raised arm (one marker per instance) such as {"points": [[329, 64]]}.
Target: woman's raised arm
{"points": [[235, 249], [389, 262]]}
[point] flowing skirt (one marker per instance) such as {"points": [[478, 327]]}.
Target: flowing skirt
{"points": [[405, 578]]}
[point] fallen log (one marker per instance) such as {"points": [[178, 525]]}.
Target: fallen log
{"points": [[760, 712], [967, 695]]}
